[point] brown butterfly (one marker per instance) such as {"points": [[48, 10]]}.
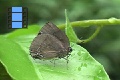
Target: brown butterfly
{"points": [[50, 43]]}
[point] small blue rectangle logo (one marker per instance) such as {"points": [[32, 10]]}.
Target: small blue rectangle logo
{"points": [[16, 9], [16, 16], [16, 24]]}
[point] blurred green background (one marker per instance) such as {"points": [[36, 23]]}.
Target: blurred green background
{"points": [[105, 47]]}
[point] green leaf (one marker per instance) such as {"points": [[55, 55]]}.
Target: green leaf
{"points": [[14, 54], [69, 30], [3, 73], [16, 61], [81, 66], [26, 31]]}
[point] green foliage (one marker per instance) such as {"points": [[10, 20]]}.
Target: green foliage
{"points": [[14, 55], [103, 47], [16, 61], [69, 30]]}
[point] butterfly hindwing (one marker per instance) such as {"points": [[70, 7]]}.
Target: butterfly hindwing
{"points": [[48, 44]]}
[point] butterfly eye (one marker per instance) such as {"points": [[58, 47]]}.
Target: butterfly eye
{"points": [[39, 33], [69, 49]]}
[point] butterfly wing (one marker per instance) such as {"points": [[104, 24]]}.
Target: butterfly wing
{"points": [[52, 29], [46, 46]]}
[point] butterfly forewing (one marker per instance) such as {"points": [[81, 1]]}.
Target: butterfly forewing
{"points": [[52, 29]]}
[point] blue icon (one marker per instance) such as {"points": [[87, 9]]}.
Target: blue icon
{"points": [[17, 17]]}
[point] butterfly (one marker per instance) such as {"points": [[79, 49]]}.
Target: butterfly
{"points": [[50, 43]]}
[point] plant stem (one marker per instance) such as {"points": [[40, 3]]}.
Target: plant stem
{"points": [[98, 23], [92, 36], [88, 23]]}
